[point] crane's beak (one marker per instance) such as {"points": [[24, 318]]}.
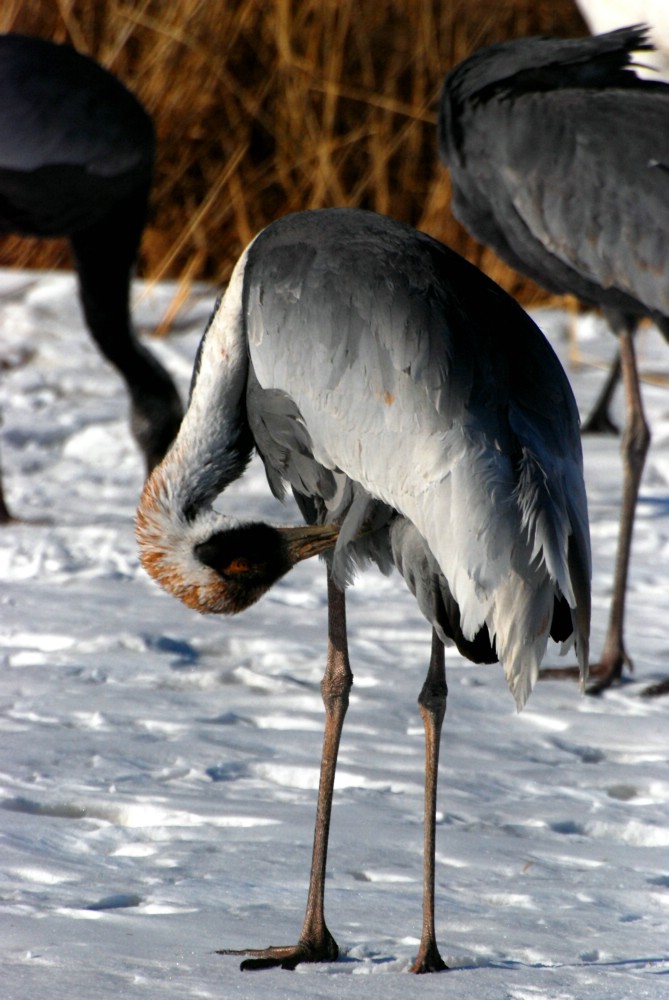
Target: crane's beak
{"points": [[310, 540]]}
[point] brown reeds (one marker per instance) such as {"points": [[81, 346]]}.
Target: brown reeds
{"points": [[263, 107]]}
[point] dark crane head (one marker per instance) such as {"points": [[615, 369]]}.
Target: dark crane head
{"points": [[220, 571]]}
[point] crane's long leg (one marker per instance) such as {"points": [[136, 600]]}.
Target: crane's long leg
{"points": [[315, 943], [432, 703], [634, 447], [5, 516], [599, 421]]}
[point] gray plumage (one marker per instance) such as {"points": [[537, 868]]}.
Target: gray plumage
{"points": [[559, 160], [388, 381], [422, 421]]}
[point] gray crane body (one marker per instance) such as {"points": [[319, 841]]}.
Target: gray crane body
{"points": [[559, 161], [407, 398]]}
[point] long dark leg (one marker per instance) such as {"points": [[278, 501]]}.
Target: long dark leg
{"points": [[5, 516], [315, 943], [599, 421], [432, 703], [634, 447]]}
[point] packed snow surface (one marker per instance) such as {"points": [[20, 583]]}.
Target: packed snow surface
{"points": [[158, 769]]}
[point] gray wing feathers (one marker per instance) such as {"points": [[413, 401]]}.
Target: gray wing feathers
{"points": [[602, 211], [559, 158], [392, 362], [284, 443]]}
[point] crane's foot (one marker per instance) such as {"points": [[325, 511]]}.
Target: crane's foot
{"points": [[428, 960], [600, 423], [603, 675], [559, 674], [286, 956], [607, 673], [656, 690], [6, 519]]}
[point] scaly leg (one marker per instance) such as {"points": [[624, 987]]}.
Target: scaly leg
{"points": [[315, 943], [635, 444], [432, 703], [634, 448]]}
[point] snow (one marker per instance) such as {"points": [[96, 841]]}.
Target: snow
{"points": [[158, 769]]}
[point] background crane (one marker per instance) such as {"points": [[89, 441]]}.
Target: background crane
{"points": [[423, 422], [602, 16], [559, 160], [76, 157]]}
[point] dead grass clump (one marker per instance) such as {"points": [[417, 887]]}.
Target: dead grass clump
{"points": [[263, 107]]}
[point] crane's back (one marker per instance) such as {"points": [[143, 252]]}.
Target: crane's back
{"points": [[559, 160], [427, 386]]}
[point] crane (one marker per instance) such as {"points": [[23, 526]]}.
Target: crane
{"points": [[422, 422], [76, 160], [653, 64], [559, 160]]}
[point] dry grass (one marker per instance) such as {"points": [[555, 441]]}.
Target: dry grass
{"points": [[263, 107]]}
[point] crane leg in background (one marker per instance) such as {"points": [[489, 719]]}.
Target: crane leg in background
{"points": [[432, 704], [599, 421], [634, 448], [316, 943], [5, 516]]}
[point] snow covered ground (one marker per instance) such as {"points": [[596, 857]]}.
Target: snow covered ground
{"points": [[158, 769]]}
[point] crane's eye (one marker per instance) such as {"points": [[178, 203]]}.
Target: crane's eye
{"points": [[246, 554], [238, 565]]}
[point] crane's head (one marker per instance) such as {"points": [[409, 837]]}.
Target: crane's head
{"points": [[248, 558], [213, 563]]}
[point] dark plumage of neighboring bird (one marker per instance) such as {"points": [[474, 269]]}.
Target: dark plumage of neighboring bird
{"points": [[76, 160], [559, 160], [423, 422]]}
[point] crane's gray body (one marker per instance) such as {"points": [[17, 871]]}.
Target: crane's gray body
{"points": [[559, 160], [399, 391]]}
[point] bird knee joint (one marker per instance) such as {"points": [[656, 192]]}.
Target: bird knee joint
{"points": [[335, 688], [432, 699]]}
